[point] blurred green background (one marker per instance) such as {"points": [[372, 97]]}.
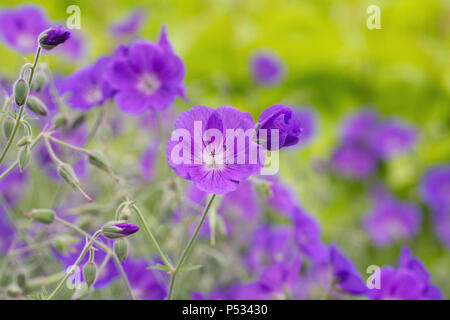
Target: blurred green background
{"points": [[334, 63]]}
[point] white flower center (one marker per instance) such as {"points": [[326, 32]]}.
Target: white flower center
{"points": [[94, 95], [149, 83]]}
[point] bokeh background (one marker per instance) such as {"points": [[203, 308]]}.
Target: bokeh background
{"points": [[333, 64]]}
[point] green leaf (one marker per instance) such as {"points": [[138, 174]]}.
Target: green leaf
{"points": [[191, 267], [158, 267]]}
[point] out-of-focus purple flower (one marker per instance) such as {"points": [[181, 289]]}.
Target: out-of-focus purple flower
{"points": [[279, 117], [144, 283], [281, 197], [148, 161], [88, 86], [68, 258], [266, 69], [147, 76], [435, 188], [201, 156], [353, 160], [393, 137], [75, 47], [410, 281], [130, 25], [53, 38], [359, 127], [13, 186], [390, 220], [7, 232], [20, 27], [307, 236], [307, 118], [441, 220], [242, 204]]}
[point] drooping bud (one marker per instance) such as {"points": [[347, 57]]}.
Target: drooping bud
{"points": [[118, 229], [125, 214], [60, 120], [39, 81], [64, 243], [121, 247], [96, 158], [36, 106], [24, 141], [66, 172], [90, 273], [8, 127], [53, 37], [20, 91], [24, 157], [46, 216]]}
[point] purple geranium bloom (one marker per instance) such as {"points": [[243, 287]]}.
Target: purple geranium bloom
{"points": [[54, 37], [435, 188], [20, 27], [7, 232], [307, 119], [147, 76], [75, 47], [267, 69], [441, 220], [130, 25], [242, 204], [281, 197], [410, 281], [359, 126], [279, 117], [148, 161], [307, 236], [146, 284], [354, 160], [13, 185], [88, 86], [393, 137], [390, 220], [219, 153]]}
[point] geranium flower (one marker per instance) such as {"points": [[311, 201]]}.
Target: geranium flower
{"points": [[266, 69]]}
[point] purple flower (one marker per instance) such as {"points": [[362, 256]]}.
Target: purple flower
{"points": [[393, 137], [281, 197], [441, 220], [114, 229], [279, 117], [13, 186], [145, 283], [353, 160], [307, 119], [147, 76], [241, 204], [410, 281], [148, 161], [215, 160], [130, 25], [266, 69], [20, 27], [75, 47], [54, 37], [7, 232], [359, 126], [390, 220], [88, 86], [435, 188]]}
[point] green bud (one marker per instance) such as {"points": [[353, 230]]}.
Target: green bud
{"points": [[97, 159], [64, 243], [36, 106], [24, 157], [46, 216], [20, 91], [8, 127], [13, 291], [22, 280], [65, 171], [80, 119], [125, 214], [39, 81], [60, 120], [90, 273], [24, 141], [121, 248]]}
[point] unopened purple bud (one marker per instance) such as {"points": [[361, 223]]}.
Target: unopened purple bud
{"points": [[53, 37], [118, 229]]}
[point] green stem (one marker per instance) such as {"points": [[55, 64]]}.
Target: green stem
{"points": [[77, 262], [68, 145], [22, 107], [188, 248], [152, 238]]}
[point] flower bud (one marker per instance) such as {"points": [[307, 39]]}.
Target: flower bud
{"points": [[121, 248], [80, 119], [20, 91], [53, 37], [36, 106], [125, 214], [90, 273], [13, 291], [118, 229], [22, 280], [24, 157], [46, 216], [97, 159], [8, 127], [39, 81], [66, 172], [60, 120], [24, 141]]}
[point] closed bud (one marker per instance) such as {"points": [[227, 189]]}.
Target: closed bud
{"points": [[22, 280], [121, 248], [24, 157], [39, 81], [125, 214], [24, 141], [46, 216], [36, 106], [80, 119], [20, 91], [97, 159], [65, 171], [8, 127], [53, 37], [90, 273], [64, 243], [60, 120], [118, 229], [13, 291]]}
